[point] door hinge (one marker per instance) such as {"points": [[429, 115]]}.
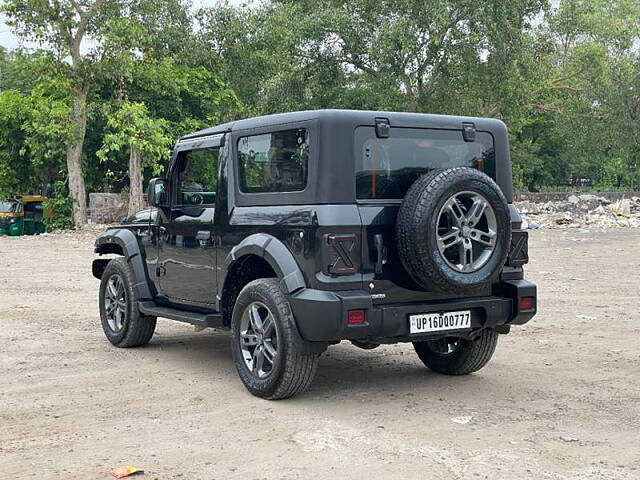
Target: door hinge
{"points": [[160, 271], [469, 131]]}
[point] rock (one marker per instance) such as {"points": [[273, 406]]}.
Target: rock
{"points": [[564, 219], [593, 198], [622, 207], [461, 420], [589, 211]]}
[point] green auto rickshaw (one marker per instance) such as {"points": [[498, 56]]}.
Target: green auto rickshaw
{"points": [[24, 215]]}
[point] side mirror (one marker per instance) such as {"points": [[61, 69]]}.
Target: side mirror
{"points": [[157, 192]]}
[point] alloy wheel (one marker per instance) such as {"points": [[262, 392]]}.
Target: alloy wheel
{"points": [[467, 231], [258, 339], [115, 303]]}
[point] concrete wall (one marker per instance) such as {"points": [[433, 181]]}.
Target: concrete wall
{"points": [[112, 207], [108, 207]]}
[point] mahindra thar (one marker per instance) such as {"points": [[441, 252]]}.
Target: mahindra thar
{"points": [[299, 230]]}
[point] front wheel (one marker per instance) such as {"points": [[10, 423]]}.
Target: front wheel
{"points": [[269, 356], [122, 322], [457, 356]]}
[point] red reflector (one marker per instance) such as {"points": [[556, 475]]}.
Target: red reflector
{"points": [[527, 303], [355, 317]]}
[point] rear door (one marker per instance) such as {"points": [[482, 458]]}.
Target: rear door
{"points": [[385, 169], [187, 239]]}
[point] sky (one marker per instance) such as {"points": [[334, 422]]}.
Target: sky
{"points": [[10, 41]]}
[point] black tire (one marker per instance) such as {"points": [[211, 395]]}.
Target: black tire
{"points": [[468, 356], [293, 368], [417, 228], [137, 329]]}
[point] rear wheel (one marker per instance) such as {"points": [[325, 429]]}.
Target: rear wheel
{"points": [[270, 358], [457, 356], [122, 322]]}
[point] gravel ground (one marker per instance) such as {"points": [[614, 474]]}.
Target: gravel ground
{"points": [[560, 399]]}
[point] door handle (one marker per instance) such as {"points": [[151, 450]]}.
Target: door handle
{"points": [[204, 238], [382, 252]]}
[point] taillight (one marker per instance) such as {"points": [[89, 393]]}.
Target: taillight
{"points": [[526, 304], [356, 317]]}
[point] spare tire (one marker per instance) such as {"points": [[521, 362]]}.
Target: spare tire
{"points": [[453, 230]]}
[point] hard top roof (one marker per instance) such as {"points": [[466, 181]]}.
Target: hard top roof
{"points": [[362, 117]]}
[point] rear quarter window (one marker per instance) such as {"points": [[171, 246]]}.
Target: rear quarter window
{"points": [[387, 167], [274, 162]]}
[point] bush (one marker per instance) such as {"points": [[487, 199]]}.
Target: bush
{"points": [[59, 209]]}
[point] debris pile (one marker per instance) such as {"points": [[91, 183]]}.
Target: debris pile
{"points": [[580, 211]]}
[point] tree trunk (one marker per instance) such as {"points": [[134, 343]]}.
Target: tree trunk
{"points": [[136, 200], [74, 156]]}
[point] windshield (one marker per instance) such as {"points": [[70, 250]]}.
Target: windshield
{"points": [[9, 206], [387, 167]]}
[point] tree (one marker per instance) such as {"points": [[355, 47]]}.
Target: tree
{"points": [[34, 127], [562, 74], [62, 26], [146, 139]]}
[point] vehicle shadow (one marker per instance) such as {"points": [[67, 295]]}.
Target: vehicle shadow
{"points": [[343, 371]]}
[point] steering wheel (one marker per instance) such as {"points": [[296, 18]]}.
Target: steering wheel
{"points": [[197, 199]]}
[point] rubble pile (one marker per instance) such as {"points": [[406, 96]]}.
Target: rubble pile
{"points": [[579, 211]]}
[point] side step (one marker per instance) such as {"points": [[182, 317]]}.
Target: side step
{"points": [[201, 319]]}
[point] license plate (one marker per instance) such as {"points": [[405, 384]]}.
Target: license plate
{"points": [[437, 322]]}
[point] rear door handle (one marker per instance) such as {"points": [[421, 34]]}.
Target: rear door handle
{"points": [[382, 252], [204, 238]]}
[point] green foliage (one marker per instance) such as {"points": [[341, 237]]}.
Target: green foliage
{"points": [[59, 210], [553, 71], [34, 132], [563, 75], [130, 126]]}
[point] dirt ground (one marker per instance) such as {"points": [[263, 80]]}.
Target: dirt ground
{"points": [[560, 399]]}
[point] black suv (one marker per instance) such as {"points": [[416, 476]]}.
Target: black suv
{"points": [[300, 230]]}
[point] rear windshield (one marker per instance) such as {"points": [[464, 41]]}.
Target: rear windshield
{"points": [[387, 167]]}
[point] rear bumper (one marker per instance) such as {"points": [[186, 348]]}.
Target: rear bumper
{"points": [[321, 316]]}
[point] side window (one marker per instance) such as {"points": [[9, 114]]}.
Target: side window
{"points": [[274, 162], [198, 177]]}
